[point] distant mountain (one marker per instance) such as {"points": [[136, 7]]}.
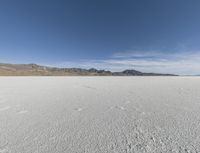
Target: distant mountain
{"points": [[38, 70]]}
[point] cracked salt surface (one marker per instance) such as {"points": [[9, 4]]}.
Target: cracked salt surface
{"points": [[5, 108], [101, 115], [4, 151], [22, 112], [2, 101]]}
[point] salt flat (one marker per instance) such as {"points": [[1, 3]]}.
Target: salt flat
{"points": [[99, 114]]}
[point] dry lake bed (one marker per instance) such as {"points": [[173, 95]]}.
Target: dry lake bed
{"points": [[99, 114]]}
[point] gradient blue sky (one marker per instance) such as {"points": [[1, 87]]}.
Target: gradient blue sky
{"points": [[147, 35]]}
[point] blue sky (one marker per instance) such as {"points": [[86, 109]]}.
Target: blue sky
{"points": [[147, 35]]}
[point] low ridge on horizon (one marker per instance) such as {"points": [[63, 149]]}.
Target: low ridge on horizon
{"points": [[39, 70]]}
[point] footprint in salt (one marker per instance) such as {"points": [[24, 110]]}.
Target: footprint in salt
{"points": [[79, 109], [120, 107]]}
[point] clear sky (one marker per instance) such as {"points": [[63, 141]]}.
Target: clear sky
{"points": [[147, 35]]}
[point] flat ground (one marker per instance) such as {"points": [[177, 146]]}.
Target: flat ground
{"points": [[99, 114]]}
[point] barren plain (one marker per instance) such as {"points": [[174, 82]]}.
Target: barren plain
{"points": [[99, 114]]}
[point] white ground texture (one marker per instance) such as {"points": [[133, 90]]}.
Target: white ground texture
{"points": [[99, 115]]}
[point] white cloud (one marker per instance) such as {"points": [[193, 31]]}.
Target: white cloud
{"points": [[182, 63], [178, 63]]}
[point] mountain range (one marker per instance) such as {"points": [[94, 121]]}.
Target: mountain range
{"points": [[38, 70]]}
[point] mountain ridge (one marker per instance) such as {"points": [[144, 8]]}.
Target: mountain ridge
{"points": [[39, 70]]}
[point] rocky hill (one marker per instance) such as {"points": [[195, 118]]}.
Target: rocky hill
{"points": [[38, 70]]}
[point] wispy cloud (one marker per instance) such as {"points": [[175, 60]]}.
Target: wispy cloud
{"points": [[137, 54], [183, 63]]}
